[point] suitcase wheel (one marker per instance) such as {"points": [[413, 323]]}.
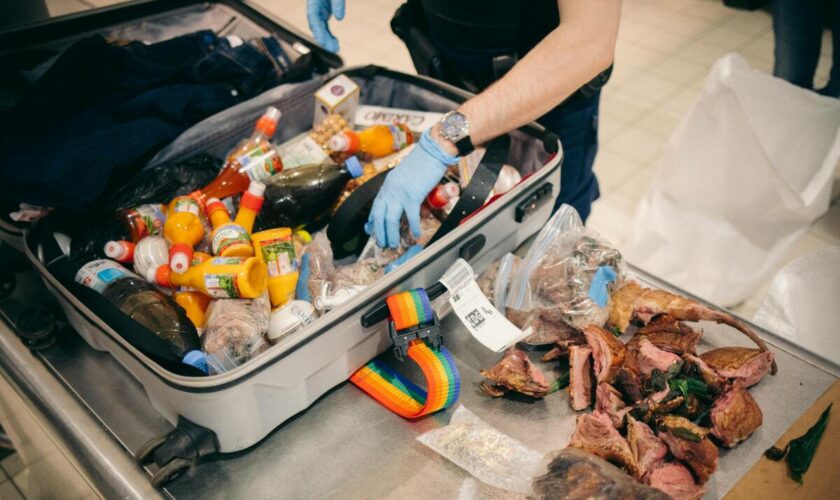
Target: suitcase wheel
{"points": [[170, 471], [145, 454]]}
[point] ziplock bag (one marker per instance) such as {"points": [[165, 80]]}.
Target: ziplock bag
{"points": [[482, 450], [558, 271]]}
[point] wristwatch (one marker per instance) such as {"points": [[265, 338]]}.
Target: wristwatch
{"points": [[455, 128]]}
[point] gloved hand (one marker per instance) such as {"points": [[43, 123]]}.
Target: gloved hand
{"points": [[411, 252], [404, 189], [318, 13]]}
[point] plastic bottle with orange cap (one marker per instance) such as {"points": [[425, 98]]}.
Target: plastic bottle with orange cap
{"points": [[373, 142], [254, 158]]}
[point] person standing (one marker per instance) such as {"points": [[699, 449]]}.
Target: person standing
{"points": [[797, 30], [555, 73]]}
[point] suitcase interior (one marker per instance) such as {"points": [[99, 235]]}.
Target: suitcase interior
{"points": [[533, 151]]}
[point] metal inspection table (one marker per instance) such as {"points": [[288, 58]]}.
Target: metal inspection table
{"points": [[345, 445]]}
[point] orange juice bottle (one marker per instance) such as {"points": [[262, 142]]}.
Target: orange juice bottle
{"points": [[221, 277], [183, 230], [195, 305], [250, 205], [228, 238], [276, 247], [375, 141], [254, 158]]}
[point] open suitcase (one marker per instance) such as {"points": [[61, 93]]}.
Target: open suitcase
{"points": [[237, 409]]}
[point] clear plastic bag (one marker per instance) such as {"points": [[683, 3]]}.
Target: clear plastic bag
{"points": [[321, 267], [488, 454], [558, 271], [234, 331], [495, 281]]}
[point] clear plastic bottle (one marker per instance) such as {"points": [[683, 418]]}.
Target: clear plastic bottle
{"points": [[254, 158], [375, 141], [142, 221], [304, 195], [142, 302]]}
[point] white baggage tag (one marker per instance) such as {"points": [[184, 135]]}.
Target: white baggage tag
{"points": [[476, 312]]}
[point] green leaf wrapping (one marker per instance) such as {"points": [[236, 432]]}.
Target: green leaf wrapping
{"points": [[802, 449]]}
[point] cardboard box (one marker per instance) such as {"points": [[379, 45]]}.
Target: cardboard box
{"points": [[416, 121], [340, 96]]}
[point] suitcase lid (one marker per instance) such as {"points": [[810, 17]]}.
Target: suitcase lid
{"points": [[52, 30]]}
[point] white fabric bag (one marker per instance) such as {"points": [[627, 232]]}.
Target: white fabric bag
{"points": [[803, 304], [743, 176]]}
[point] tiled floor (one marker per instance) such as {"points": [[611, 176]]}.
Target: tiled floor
{"points": [[665, 48]]}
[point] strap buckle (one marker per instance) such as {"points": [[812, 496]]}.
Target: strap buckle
{"points": [[428, 332]]}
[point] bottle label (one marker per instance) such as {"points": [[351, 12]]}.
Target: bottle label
{"points": [[279, 256], [400, 135], [228, 236], [260, 163], [302, 315], [222, 285], [186, 204], [148, 219], [228, 261], [98, 274]]}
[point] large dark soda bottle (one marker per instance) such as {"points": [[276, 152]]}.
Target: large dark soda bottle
{"points": [[142, 302], [303, 196]]}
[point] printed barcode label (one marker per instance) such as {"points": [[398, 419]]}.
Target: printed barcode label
{"points": [[484, 322], [457, 276]]}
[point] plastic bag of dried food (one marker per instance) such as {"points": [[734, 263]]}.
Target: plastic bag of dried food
{"points": [[488, 454], [234, 331], [317, 267], [568, 269], [495, 281]]}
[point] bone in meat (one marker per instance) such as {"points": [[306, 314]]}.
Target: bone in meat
{"points": [[740, 363], [580, 377], [515, 372], [595, 434], [608, 352], [735, 415]]}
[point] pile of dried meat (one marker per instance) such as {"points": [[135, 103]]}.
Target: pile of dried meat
{"points": [[660, 408]]}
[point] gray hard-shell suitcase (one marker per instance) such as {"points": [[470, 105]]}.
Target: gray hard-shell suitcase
{"points": [[234, 410]]}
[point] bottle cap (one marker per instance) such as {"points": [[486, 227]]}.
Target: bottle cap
{"points": [[160, 275], [256, 188], [215, 204], [197, 359], [344, 141], [303, 235], [180, 256], [253, 197], [121, 251], [451, 190], [267, 124], [354, 166]]}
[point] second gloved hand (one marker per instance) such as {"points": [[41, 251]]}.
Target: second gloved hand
{"points": [[318, 13], [404, 189]]}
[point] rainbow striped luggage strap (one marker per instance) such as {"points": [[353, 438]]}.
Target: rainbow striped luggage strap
{"points": [[413, 326]]}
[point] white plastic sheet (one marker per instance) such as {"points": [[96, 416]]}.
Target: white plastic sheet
{"points": [[745, 173], [803, 304]]}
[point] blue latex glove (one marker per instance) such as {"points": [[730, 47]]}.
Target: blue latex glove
{"points": [[302, 287], [318, 13], [411, 252], [404, 189]]}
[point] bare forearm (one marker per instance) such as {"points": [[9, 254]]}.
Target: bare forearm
{"points": [[569, 57]]}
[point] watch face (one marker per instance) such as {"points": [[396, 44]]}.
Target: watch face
{"points": [[454, 127]]}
